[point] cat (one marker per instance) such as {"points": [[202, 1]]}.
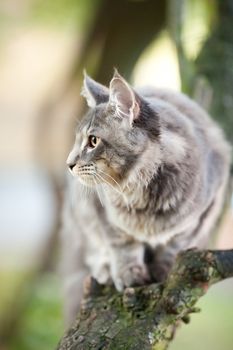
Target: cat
{"points": [[155, 167]]}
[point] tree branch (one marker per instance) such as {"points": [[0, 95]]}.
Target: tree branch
{"points": [[146, 317]]}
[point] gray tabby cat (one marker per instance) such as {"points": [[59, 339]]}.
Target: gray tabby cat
{"points": [[156, 168]]}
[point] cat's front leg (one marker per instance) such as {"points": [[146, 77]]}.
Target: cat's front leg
{"points": [[98, 263], [127, 264]]}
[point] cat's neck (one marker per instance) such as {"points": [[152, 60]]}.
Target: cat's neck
{"points": [[145, 168], [158, 161], [131, 198]]}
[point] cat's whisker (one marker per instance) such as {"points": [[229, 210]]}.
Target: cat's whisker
{"points": [[85, 188], [114, 189], [97, 190], [74, 196], [101, 179], [85, 191], [88, 191], [111, 179]]}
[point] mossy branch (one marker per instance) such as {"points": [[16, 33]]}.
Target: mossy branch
{"points": [[146, 317]]}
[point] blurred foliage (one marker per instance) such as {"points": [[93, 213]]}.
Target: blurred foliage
{"points": [[10, 282], [212, 327], [57, 14], [41, 323], [123, 29], [215, 65], [75, 13], [198, 20], [206, 65]]}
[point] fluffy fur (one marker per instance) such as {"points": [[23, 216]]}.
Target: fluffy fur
{"points": [[155, 181]]}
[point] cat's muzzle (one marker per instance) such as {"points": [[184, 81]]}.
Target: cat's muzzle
{"points": [[86, 174]]}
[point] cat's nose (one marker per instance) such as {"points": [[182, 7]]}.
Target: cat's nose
{"points": [[71, 165]]}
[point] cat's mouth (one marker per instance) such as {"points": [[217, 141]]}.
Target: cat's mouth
{"points": [[90, 175], [86, 174]]}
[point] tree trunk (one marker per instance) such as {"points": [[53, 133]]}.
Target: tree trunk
{"points": [[146, 317]]}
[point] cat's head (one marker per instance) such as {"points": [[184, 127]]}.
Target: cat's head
{"points": [[113, 135]]}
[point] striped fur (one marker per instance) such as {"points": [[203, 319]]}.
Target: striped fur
{"points": [[155, 183]]}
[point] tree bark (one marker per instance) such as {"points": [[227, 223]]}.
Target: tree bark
{"points": [[146, 317]]}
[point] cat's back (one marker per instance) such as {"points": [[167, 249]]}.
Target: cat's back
{"points": [[185, 111], [178, 100]]}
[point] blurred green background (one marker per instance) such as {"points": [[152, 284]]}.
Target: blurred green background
{"points": [[44, 47]]}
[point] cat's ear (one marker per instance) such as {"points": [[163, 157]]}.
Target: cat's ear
{"points": [[94, 92], [123, 98]]}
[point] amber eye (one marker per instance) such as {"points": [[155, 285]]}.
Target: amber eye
{"points": [[93, 141]]}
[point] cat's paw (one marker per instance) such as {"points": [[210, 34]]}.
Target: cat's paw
{"points": [[130, 275], [102, 274]]}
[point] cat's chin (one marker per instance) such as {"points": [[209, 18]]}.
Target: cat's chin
{"points": [[86, 182]]}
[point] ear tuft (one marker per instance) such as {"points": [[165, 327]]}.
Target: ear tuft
{"points": [[123, 98], [93, 92], [116, 74]]}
